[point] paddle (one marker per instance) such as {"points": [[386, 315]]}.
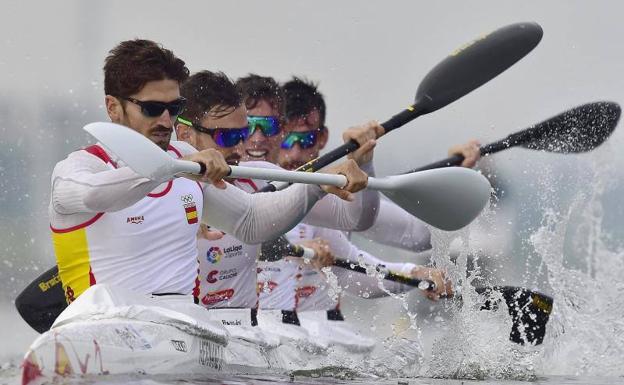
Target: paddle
{"points": [[448, 199], [464, 70], [529, 310], [579, 129], [42, 301]]}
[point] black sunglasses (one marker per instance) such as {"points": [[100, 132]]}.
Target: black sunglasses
{"points": [[154, 109]]}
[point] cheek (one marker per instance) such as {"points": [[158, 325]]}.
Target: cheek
{"points": [[309, 153], [205, 142], [275, 141]]}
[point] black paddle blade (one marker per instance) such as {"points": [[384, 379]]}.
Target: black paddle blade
{"points": [[580, 129], [473, 65], [42, 301], [529, 311]]}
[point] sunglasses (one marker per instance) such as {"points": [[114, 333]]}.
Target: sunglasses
{"points": [[269, 125], [306, 139], [223, 137], [153, 109]]}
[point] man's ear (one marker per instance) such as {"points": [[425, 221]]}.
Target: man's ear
{"points": [[323, 137], [113, 108], [183, 132]]}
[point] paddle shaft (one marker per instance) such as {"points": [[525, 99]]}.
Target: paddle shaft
{"points": [[300, 251], [491, 148], [423, 284]]}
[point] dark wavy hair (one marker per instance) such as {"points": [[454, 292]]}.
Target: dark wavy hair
{"points": [[255, 88], [209, 92], [133, 63], [301, 97]]}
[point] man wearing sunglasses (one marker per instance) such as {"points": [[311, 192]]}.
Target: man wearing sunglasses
{"points": [[264, 102], [113, 226]]}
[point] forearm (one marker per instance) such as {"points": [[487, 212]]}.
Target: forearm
{"points": [[335, 213], [398, 228], [254, 218]]}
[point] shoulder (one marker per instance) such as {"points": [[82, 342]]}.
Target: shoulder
{"points": [[87, 158]]}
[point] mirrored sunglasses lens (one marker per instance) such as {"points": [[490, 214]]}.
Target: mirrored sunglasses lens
{"points": [[231, 137], [268, 125]]}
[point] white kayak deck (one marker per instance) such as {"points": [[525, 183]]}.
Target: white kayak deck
{"points": [[111, 331]]}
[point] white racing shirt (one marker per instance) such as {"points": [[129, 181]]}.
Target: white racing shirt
{"points": [[227, 268]]}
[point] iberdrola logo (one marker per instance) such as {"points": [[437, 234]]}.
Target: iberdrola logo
{"points": [[214, 255]]}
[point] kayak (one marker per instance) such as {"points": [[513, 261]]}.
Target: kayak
{"points": [[111, 331]]}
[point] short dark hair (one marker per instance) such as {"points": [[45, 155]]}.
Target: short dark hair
{"points": [[133, 63], [206, 90], [255, 88], [301, 96]]}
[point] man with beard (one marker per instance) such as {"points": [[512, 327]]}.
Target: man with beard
{"points": [[110, 225]]}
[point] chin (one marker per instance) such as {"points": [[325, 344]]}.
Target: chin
{"points": [[162, 143]]}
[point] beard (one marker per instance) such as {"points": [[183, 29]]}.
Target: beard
{"points": [[160, 135]]}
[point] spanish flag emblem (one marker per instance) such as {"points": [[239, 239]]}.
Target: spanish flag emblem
{"points": [[191, 213]]}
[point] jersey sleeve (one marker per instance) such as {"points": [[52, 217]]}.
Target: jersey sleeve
{"points": [[398, 228]]}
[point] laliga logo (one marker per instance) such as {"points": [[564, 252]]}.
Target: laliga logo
{"points": [[214, 255]]}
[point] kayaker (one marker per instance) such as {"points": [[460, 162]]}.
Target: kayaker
{"points": [[110, 225]]}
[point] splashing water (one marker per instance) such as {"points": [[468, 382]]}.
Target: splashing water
{"points": [[587, 327]]}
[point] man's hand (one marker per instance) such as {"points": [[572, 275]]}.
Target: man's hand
{"points": [[470, 151], [366, 135], [216, 167], [356, 179], [443, 286], [322, 253]]}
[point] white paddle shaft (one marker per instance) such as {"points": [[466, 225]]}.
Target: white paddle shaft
{"points": [[284, 175]]}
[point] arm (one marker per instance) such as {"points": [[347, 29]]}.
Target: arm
{"points": [[357, 283], [396, 227], [253, 218], [83, 183], [336, 213], [333, 212]]}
